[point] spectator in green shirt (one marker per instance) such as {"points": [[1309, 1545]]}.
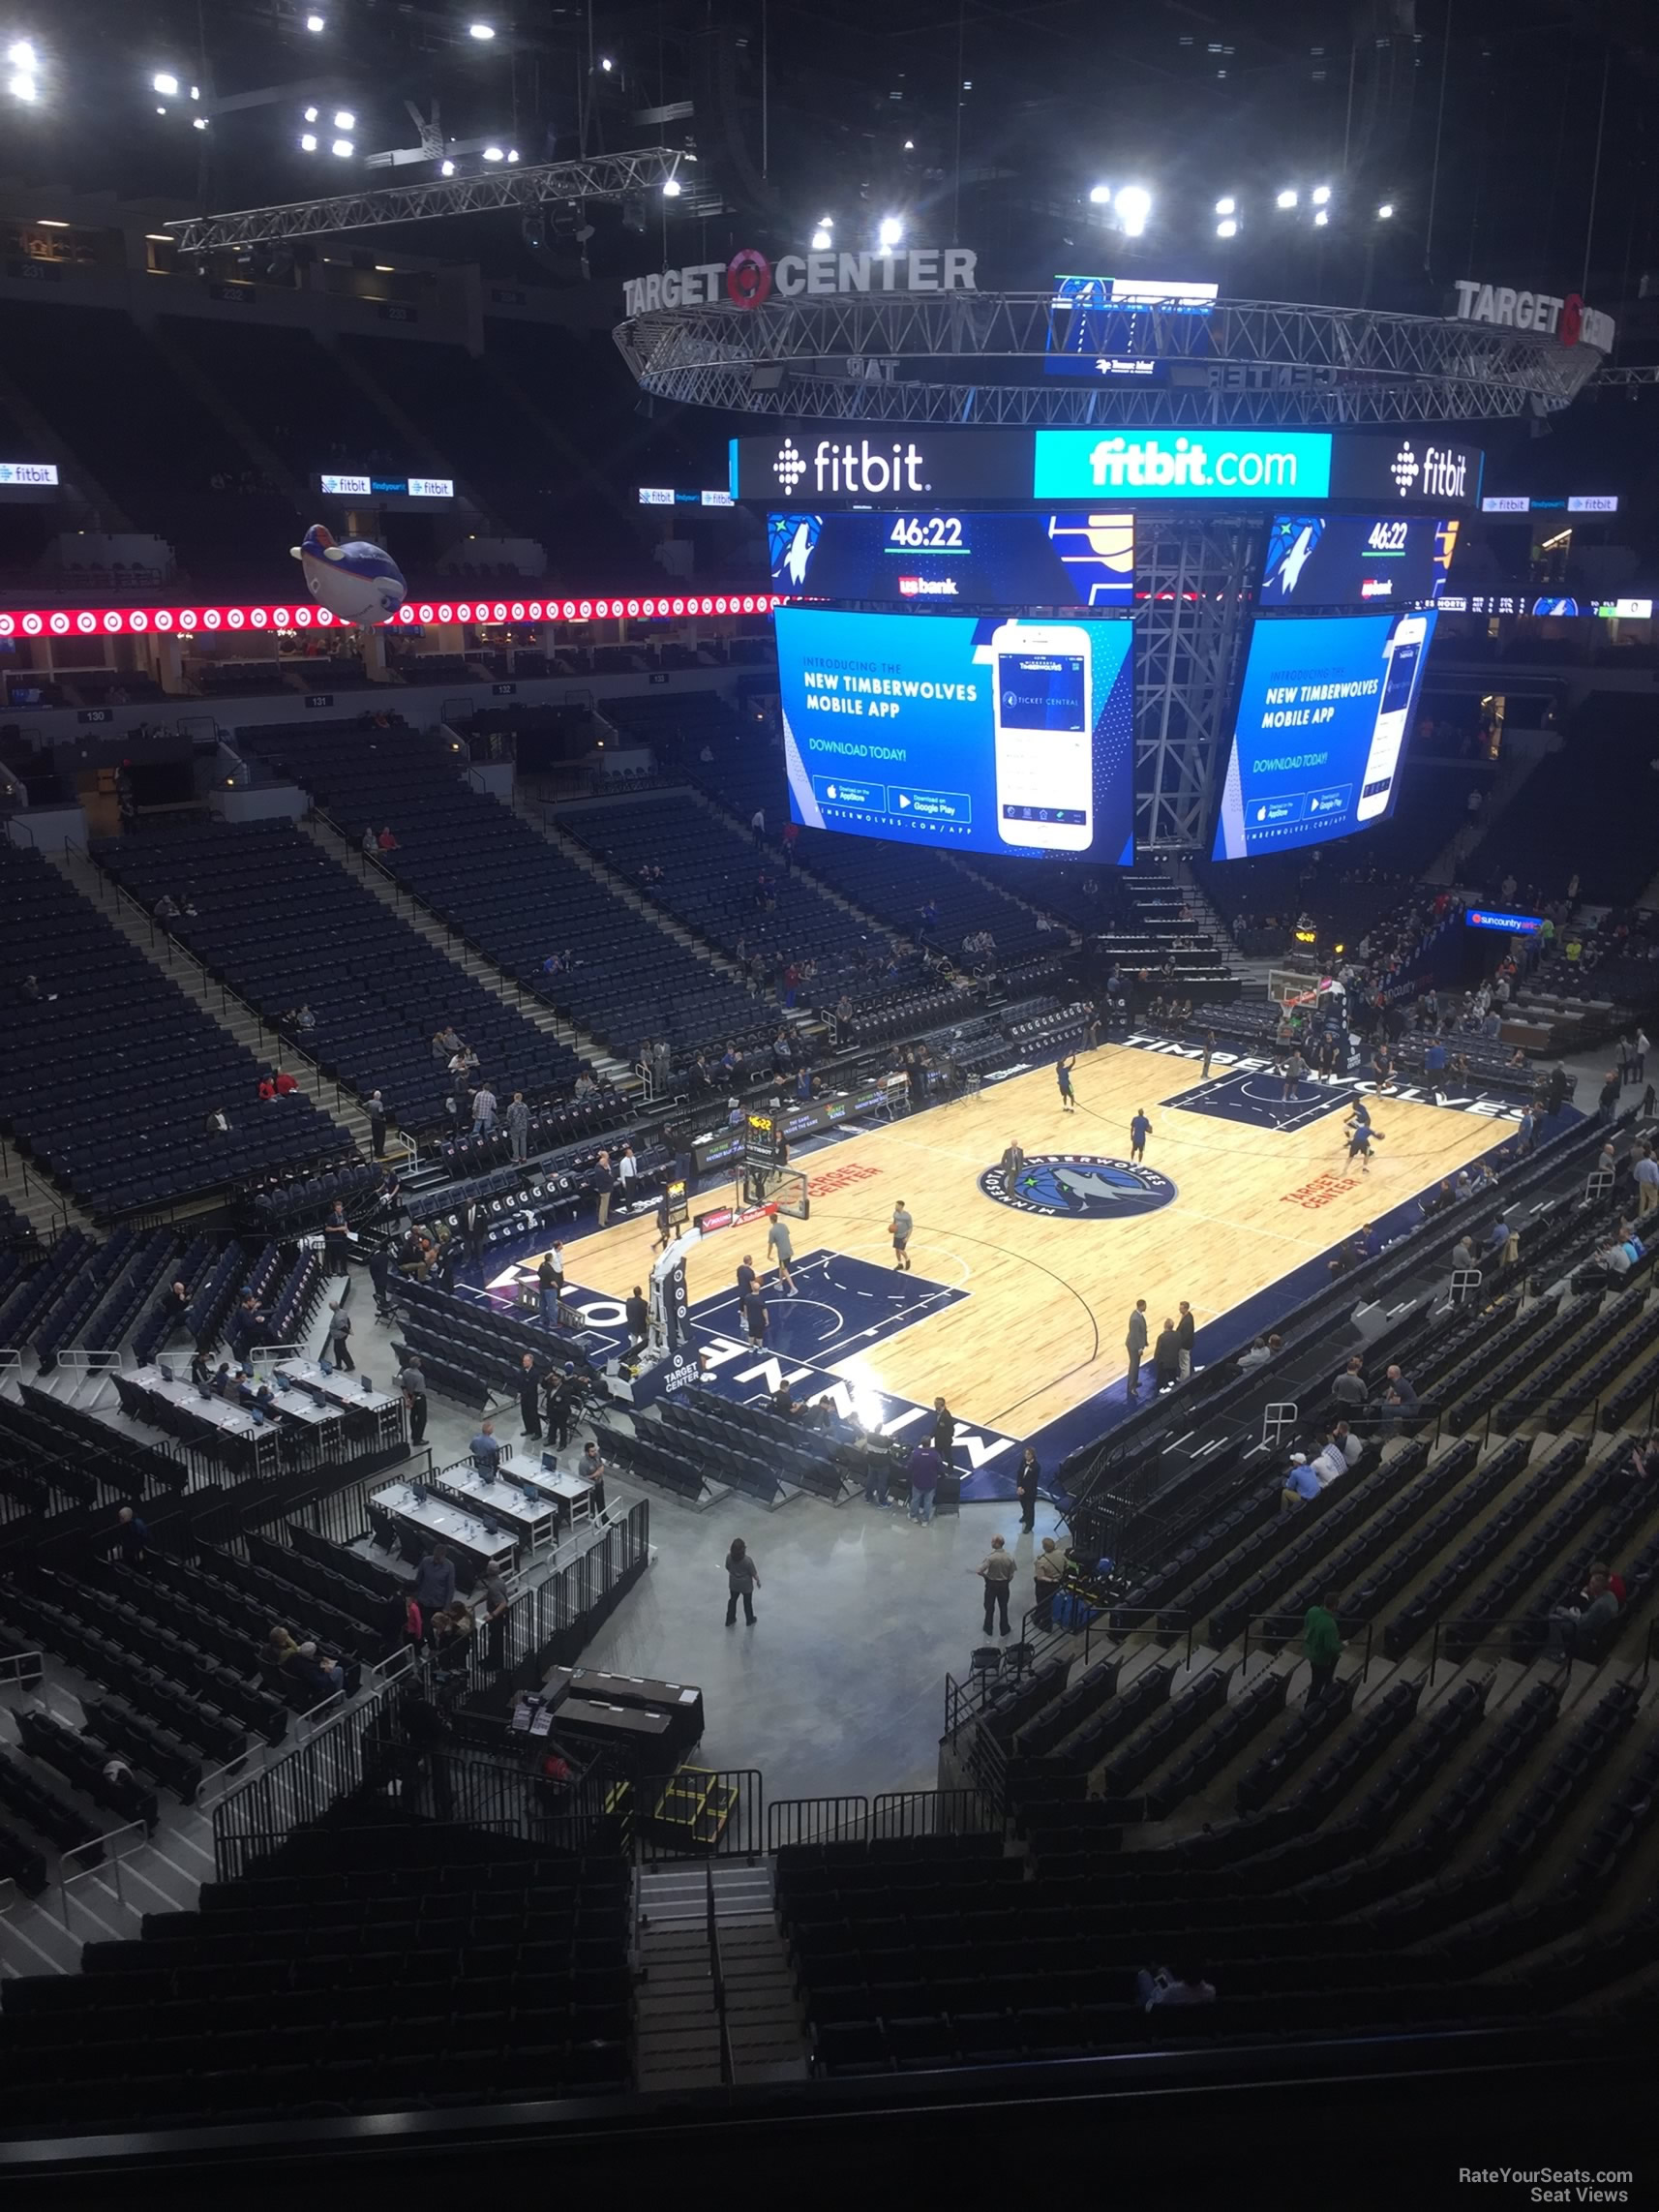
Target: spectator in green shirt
{"points": [[1321, 1644]]}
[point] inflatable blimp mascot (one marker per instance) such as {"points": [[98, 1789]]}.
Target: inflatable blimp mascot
{"points": [[357, 582]]}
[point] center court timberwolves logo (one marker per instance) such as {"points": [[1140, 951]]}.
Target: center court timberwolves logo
{"points": [[1080, 1186]]}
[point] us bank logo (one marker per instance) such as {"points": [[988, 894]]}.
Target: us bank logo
{"points": [[1182, 464], [1080, 1186]]}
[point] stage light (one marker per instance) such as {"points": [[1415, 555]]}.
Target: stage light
{"points": [[671, 188], [1228, 206], [22, 85], [1322, 195], [308, 142], [160, 110], [447, 169], [1321, 218], [311, 114], [1287, 198], [1133, 205], [480, 30], [199, 122], [494, 154], [513, 155], [315, 23], [891, 230], [344, 119], [607, 64], [1385, 212], [165, 84], [821, 240], [21, 55], [1226, 228], [910, 145], [342, 149], [1100, 196]]}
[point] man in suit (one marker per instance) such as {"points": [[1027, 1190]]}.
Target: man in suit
{"points": [[1135, 1343], [529, 1381]]}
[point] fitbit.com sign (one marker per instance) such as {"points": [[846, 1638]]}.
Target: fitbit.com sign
{"points": [[1183, 465]]}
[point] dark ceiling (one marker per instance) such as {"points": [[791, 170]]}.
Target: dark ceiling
{"points": [[986, 124]]}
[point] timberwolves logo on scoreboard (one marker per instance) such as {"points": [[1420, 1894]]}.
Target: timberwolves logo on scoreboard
{"points": [[1080, 1186]]}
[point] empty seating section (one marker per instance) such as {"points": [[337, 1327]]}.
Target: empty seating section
{"points": [[508, 892], [289, 386], [112, 1072], [1590, 801], [358, 1965], [711, 882], [285, 926], [895, 883], [704, 1445], [942, 1950], [92, 372]]}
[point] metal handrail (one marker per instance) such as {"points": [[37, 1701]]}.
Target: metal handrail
{"points": [[108, 1844], [19, 1660], [716, 1976], [1260, 1624]]}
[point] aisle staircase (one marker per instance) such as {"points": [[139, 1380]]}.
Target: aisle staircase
{"points": [[686, 1985]]}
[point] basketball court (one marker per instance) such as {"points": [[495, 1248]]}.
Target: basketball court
{"points": [[1017, 1307]]}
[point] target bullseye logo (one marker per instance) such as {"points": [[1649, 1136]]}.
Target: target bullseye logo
{"points": [[748, 278]]}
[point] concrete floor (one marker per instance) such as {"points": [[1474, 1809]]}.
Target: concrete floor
{"points": [[839, 1687]]}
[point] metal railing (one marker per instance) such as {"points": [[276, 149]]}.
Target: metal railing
{"points": [[792, 1821], [931, 1812], [716, 1976], [252, 1819], [110, 1855], [20, 1668], [1459, 1641], [1272, 1631]]}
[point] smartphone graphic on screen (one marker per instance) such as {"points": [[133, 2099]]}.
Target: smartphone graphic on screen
{"points": [[1388, 733], [1044, 734]]}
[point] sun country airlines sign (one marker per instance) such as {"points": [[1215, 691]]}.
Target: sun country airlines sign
{"points": [[749, 279]]}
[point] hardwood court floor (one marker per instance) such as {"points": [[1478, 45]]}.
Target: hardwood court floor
{"points": [[1043, 1328]]}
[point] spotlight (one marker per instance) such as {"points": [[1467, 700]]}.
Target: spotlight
{"points": [[1100, 196], [1385, 212], [1287, 198], [344, 119], [315, 23], [199, 122], [1135, 205], [891, 230], [671, 188], [494, 154], [1322, 195], [821, 240], [447, 169], [342, 148], [1228, 206], [513, 155], [308, 142], [1226, 228], [21, 86], [311, 114], [910, 145], [165, 84], [160, 110], [1321, 218], [480, 30], [21, 55], [607, 65]]}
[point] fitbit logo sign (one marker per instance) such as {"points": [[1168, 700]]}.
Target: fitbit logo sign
{"points": [[1444, 471], [850, 467]]}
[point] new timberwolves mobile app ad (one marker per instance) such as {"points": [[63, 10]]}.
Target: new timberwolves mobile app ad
{"points": [[1000, 734]]}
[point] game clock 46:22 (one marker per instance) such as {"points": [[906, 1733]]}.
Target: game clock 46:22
{"points": [[929, 534]]}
